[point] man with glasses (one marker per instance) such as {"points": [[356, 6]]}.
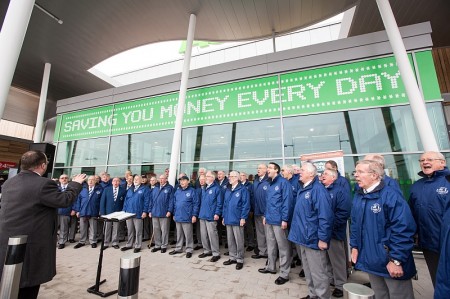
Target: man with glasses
{"points": [[64, 215], [427, 200]]}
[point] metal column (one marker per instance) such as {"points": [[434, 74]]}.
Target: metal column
{"points": [[176, 143], [42, 101], [11, 39], [412, 89]]}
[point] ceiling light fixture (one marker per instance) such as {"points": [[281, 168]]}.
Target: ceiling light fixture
{"points": [[49, 13]]}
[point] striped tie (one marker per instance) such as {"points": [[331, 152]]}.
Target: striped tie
{"points": [[115, 194], [91, 190]]}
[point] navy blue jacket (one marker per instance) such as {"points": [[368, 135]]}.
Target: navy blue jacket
{"points": [[66, 211], [427, 200], [224, 184], [136, 200], [442, 289], [89, 206], [382, 227], [280, 201], [295, 186], [313, 216], [342, 181], [236, 205], [107, 184], [107, 203], [161, 201], [259, 198], [341, 204], [186, 204], [249, 187], [211, 202]]}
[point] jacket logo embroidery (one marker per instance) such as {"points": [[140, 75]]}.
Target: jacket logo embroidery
{"points": [[277, 188], [265, 188], [307, 195], [376, 208], [238, 194], [210, 192], [442, 191], [166, 191], [98, 192], [188, 194]]}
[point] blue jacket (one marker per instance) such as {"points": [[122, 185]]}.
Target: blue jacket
{"points": [[280, 201], [427, 200], [224, 184], [259, 199], [341, 205], [342, 181], [107, 203], [236, 205], [249, 187], [66, 211], [382, 228], [161, 201], [89, 206], [295, 186], [313, 216], [107, 184], [211, 202], [442, 289], [186, 204], [137, 200]]}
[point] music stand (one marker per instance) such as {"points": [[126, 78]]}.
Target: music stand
{"points": [[113, 217]]}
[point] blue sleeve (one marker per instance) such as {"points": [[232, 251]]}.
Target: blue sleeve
{"points": [[103, 204], [125, 203], [151, 200], [252, 199], [147, 199], [77, 204], [245, 203], [219, 205], [196, 203], [286, 208], [343, 208], [323, 204], [171, 202], [354, 224]]}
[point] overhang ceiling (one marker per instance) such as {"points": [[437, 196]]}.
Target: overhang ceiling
{"points": [[95, 30]]}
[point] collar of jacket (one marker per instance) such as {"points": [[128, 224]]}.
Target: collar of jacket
{"points": [[377, 188], [272, 181], [437, 173], [210, 186], [314, 181], [238, 186]]}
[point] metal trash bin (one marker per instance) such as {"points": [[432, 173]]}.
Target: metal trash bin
{"points": [[357, 291], [129, 276], [12, 270]]}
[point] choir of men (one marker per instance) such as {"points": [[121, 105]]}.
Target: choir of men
{"points": [[297, 205]]}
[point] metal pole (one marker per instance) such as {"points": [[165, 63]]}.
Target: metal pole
{"points": [[12, 269], [42, 101], [12, 35], [176, 143], [412, 90], [129, 276]]}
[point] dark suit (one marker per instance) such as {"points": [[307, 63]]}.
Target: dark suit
{"points": [[107, 206], [29, 207]]}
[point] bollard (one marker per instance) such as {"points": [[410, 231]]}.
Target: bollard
{"points": [[129, 276], [12, 269], [357, 291]]}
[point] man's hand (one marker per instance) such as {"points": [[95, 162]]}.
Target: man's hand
{"points": [[79, 178], [264, 220], [242, 223], [394, 270], [168, 214], [284, 224], [73, 213], [322, 245], [150, 215], [354, 255], [216, 217], [194, 219], [144, 215], [78, 214]]}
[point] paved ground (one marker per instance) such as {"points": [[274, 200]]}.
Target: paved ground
{"points": [[166, 276]]}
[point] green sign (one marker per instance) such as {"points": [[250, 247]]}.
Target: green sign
{"points": [[357, 85]]}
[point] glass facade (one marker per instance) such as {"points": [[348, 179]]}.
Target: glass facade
{"points": [[241, 146]]}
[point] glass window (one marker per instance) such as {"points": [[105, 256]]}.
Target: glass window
{"points": [[85, 152]]}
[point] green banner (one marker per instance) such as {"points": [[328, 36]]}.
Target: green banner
{"points": [[357, 85]]}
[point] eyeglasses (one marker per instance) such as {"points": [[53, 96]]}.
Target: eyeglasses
{"points": [[64, 178], [429, 160]]}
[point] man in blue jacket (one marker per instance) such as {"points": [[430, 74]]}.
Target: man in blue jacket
{"points": [[382, 234], [210, 211], [87, 207], [277, 216], [185, 213], [136, 201], [341, 206], [236, 207], [249, 228], [427, 200], [258, 206], [112, 201], [442, 289], [312, 224], [160, 209], [64, 214], [340, 180]]}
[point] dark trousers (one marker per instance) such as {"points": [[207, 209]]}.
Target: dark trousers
{"points": [[29, 292], [432, 260]]}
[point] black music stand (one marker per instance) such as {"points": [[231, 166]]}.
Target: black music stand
{"points": [[113, 217]]}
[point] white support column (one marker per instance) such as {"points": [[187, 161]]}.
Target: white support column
{"points": [[176, 143], [42, 101], [412, 89], [12, 35]]}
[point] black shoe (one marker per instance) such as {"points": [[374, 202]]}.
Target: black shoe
{"points": [[203, 255], [173, 252], [293, 264], [126, 248], [308, 297], [227, 253], [61, 246], [78, 245], [280, 280], [214, 258], [163, 250], [188, 255], [105, 247], [229, 262], [298, 262], [94, 245], [116, 246], [257, 256], [226, 245], [71, 241], [136, 250], [250, 248], [337, 293], [239, 266], [155, 249], [145, 239], [198, 247], [265, 271], [302, 273], [367, 284]]}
